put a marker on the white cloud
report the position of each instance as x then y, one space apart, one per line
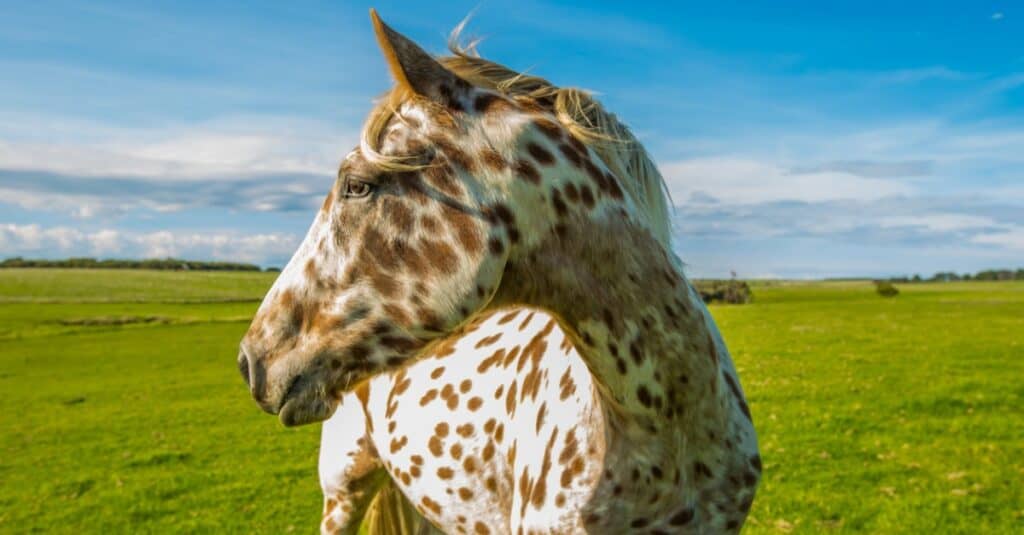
1012 238
225 148
997 16
35 240
745 181
939 222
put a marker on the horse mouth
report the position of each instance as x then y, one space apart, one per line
304 403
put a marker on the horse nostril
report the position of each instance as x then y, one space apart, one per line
243 366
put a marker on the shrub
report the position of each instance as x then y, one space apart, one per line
886 289
735 292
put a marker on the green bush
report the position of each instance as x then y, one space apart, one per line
886 289
734 292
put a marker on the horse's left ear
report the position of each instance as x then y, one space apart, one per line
414 69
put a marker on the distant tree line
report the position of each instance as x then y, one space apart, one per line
172 264
949 276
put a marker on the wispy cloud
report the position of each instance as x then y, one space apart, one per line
745 181
869 169
1012 238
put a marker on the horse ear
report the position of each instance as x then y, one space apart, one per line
414 69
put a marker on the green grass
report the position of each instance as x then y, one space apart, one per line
121 410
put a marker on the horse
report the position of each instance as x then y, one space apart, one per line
487 315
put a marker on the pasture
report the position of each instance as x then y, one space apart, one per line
122 410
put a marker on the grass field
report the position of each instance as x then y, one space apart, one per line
122 410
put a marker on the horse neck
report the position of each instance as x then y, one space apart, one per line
623 299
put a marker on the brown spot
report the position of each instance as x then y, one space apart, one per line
363 394
701 470
492 360
454 154
503 213
441 429
397 445
613 186
540 154
683 517
441 176
435 446
508 317
496 246
440 255
487 340
510 399
466 231
456 451
540 488
643 395
485 101
481 529
453 402
402 386
465 493
587 196
574 469
558 203
567 385
474 403
493 160
469 464
465 430
540 416
428 397
571 192
595 174
578 145
437 372
571 154
429 223
526 171
431 504
551 130
416 459
445 473
401 216
400 343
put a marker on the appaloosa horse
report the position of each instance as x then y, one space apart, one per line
488 305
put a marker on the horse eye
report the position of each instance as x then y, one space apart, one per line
356 188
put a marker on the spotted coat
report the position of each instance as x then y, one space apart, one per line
488 319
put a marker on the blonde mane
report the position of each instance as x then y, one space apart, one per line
576 109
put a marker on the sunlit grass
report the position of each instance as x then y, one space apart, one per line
875 415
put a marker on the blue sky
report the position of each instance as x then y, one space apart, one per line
798 139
